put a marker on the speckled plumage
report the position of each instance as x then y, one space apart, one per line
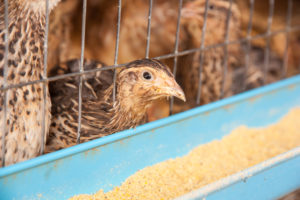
25 63
213 59
100 115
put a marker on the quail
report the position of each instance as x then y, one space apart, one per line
213 62
138 84
26 34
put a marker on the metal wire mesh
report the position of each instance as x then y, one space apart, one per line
149 28
268 39
287 30
176 50
225 64
162 57
43 132
248 37
81 69
288 27
201 53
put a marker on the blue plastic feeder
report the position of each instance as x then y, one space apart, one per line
106 162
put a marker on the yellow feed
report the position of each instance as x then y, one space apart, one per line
243 148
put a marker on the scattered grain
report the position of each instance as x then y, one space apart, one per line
241 149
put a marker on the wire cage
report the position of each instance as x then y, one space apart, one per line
175 56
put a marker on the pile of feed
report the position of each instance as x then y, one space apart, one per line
242 148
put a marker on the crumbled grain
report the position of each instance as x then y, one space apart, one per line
241 149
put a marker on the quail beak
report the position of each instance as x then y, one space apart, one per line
173 89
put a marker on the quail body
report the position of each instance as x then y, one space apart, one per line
138 84
213 59
26 30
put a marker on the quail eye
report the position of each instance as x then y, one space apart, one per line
211 7
147 76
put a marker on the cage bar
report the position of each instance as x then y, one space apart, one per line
287 37
43 132
117 48
201 53
149 28
81 69
225 66
176 51
248 43
268 40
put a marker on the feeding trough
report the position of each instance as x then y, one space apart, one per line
106 162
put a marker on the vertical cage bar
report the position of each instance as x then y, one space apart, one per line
268 40
149 28
248 47
287 37
81 69
117 48
225 67
43 132
4 128
198 98
176 51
